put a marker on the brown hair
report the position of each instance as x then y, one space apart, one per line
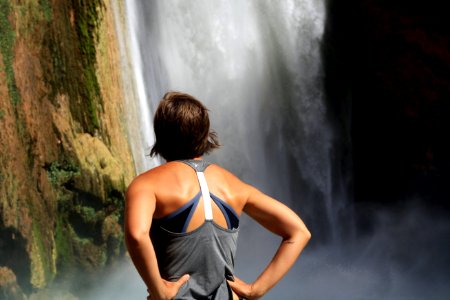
181 127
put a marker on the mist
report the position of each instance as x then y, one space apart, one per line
404 257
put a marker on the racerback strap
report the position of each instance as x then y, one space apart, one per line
206 196
199 166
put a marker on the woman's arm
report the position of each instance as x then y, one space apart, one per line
139 210
282 221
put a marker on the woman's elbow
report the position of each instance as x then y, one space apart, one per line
306 233
133 239
303 233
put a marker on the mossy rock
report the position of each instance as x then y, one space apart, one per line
9 289
97 164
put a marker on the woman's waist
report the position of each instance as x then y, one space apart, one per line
202 260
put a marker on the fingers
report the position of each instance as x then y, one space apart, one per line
182 280
241 288
237 280
237 284
232 284
172 287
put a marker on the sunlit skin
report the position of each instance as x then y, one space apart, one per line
162 190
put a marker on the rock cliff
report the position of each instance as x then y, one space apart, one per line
65 159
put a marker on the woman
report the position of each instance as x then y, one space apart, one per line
182 218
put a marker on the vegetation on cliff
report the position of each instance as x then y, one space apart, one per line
71 49
7 38
64 155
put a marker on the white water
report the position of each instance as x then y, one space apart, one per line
256 65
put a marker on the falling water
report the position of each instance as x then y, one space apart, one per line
256 65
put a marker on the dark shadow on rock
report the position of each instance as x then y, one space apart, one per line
13 255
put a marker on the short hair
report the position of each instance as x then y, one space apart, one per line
181 126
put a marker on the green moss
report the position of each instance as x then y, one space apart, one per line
7 41
60 173
92 93
64 249
103 259
87 214
87 21
11 186
2 114
41 264
33 15
71 42
46 9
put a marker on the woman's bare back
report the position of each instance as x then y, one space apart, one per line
175 184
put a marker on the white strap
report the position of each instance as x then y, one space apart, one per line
206 196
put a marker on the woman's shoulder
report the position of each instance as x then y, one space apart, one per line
227 174
149 178
225 177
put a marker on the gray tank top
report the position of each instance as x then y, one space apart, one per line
206 253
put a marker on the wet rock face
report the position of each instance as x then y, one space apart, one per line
15 261
391 71
9 289
64 160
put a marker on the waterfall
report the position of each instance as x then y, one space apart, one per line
256 65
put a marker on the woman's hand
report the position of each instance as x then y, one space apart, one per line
242 289
172 288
